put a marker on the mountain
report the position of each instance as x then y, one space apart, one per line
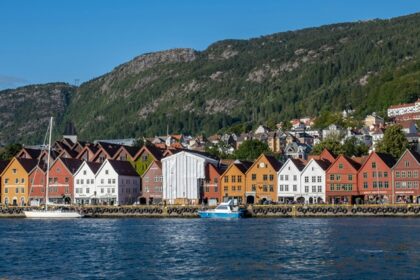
25 112
366 65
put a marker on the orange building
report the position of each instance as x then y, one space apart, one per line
261 180
233 181
15 181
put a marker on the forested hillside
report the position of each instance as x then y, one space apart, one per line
366 65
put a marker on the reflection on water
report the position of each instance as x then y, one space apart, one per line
335 248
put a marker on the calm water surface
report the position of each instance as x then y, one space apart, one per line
335 248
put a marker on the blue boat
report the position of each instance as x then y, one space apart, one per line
225 210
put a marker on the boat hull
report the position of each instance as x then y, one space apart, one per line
218 215
52 215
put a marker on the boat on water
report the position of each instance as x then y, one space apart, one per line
223 210
60 213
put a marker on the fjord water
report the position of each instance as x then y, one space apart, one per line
333 248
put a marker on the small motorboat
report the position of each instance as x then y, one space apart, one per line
223 210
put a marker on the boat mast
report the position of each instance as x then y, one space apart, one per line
48 166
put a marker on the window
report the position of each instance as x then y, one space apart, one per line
22 190
313 189
374 174
113 181
319 189
407 163
397 174
253 188
216 189
215 180
332 177
87 190
84 172
6 190
16 181
22 181
226 179
113 190
17 190
281 177
253 177
338 177
265 177
225 188
331 187
109 181
379 174
106 172
239 188
365 185
385 174
286 177
239 179
380 184
408 174
386 184
365 175
373 164
350 177
233 188
281 188
306 179
286 188
294 177
306 189
375 184
271 177
102 190
82 181
319 179
340 166
6 181
55 180
102 181
77 181
313 179
295 188
403 174
271 188
14 170
66 190
415 174
264 188
233 178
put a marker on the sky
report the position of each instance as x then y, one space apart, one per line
74 41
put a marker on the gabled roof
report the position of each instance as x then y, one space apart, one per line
3 165
243 165
90 147
94 166
414 154
110 149
152 149
123 167
324 164
298 163
158 163
33 153
27 164
274 162
71 164
389 160
132 151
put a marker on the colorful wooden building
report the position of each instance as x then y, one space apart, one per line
151 184
406 178
261 180
61 180
341 181
15 181
37 182
233 181
375 178
211 184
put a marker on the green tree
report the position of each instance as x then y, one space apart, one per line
394 141
251 149
331 143
10 151
354 147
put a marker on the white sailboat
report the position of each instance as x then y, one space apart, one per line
46 213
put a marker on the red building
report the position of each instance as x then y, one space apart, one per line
37 186
151 184
211 192
61 180
375 178
341 181
406 178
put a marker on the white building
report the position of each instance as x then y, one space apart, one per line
402 109
289 189
84 183
333 130
183 176
117 183
313 181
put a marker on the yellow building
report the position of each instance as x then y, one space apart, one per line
261 180
232 181
15 181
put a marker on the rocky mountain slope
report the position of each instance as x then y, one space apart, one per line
366 65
